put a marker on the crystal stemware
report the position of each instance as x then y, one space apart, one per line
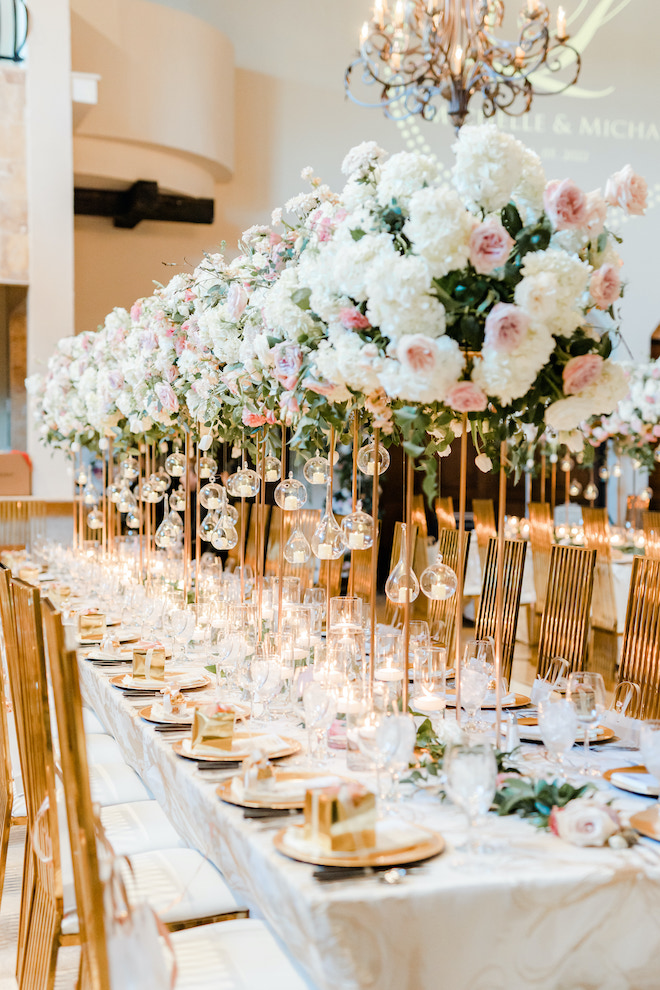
586 691
557 727
471 783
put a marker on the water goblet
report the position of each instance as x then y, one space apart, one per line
586 691
471 772
558 727
320 709
474 688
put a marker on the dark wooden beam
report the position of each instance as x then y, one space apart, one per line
141 201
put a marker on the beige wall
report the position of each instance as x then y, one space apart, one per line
13 189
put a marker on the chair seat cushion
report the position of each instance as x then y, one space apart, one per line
179 884
138 827
116 783
91 721
241 954
102 748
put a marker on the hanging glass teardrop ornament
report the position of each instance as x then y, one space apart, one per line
603 474
129 468
150 494
166 535
90 496
160 480
574 489
591 492
175 464
438 582
126 501
402 584
230 512
366 459
209 522
245 483
95 519
224 536
327 539
358 530
317 470
290 494
297 549
133 519
178 499
176 521
272 468
211 496
207 466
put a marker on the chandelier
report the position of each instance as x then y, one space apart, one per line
450 48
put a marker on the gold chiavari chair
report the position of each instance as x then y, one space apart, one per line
444 511
565 620
640 653
604 633
360 572
483 512
204 955
21 521
541 533
651 524
512 579
441 615
394 613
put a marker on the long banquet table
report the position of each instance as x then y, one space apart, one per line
542 914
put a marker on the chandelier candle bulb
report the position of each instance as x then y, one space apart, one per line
562 33
457 61
379 13
364 33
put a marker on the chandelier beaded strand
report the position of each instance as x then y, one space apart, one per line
450 48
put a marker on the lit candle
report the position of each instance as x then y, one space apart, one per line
395 62
429 704
299 556
379 13
356 541
404 594
318 478
561 24
364 33
399 13
213 502
457 61
388 674
271 475
290 501
324 551
438 590
245 491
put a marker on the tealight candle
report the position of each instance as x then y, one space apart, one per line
272 475
429 704
356 541
244 491
290 502
324 551
388 674
298 556
438 589
318 478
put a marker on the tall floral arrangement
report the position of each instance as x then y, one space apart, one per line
634 426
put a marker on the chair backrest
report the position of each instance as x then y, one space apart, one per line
359 580
483 512
308 520
541 532
78 798
597 537
640 653
394 613
651 524
22 520
444 511
7 643
252 548
441 615
512 579
565 620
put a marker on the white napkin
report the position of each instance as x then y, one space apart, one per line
643 783
280 790
174 678
158 712
393 833
239 748
507 699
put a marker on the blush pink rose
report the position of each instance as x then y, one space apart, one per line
271 417
288 362
252 418
136 310
490 246
236 301
565 204
167 397
605 286
467 397
506 327
581 372
418 354
596 213
627 190
314 385
353 319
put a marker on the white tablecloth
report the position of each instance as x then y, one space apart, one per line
545 915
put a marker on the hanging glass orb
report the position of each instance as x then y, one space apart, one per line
95 519
438 582
290 494
244 483
127 500
297 549
574 489
603 474
327 539
160 480
167 535
209 522
616 470
207 466
82 478
358 530
129 468
150 494
566 464
402 585
112 491
366 460
317 470
591 492
272 468
90 495
178 499
230 512
133 519
211 496
553 458
224 537
175 464
176 521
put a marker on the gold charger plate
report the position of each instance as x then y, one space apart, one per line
242 713
96 640
638 769
231 756
519 701
647 822
200 681
224 791
431 845
605 734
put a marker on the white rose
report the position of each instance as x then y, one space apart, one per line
484 463
584 823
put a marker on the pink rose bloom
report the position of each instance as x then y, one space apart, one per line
136 310
490 246
506 327
172 373
274 238
584 823
289 407
271 417
314 385
288 361
467 397
418 354
252 418
605 286
179 346
627 190
596 213
166 397
352 318
188 295
236 301
581 372
565 204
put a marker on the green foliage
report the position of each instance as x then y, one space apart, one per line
535 799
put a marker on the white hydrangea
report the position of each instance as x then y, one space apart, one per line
302 204
344 359
401 382
399 302
439 228
356 194
313 270
599 398
404 174
508 376
564 291
361 159
489 166
352 262
528 192
281 313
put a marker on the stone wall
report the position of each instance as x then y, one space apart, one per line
13 186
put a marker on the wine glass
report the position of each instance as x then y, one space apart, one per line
400 761
378 737
471 783
586 691
474 688
558 727
180 624
320 709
